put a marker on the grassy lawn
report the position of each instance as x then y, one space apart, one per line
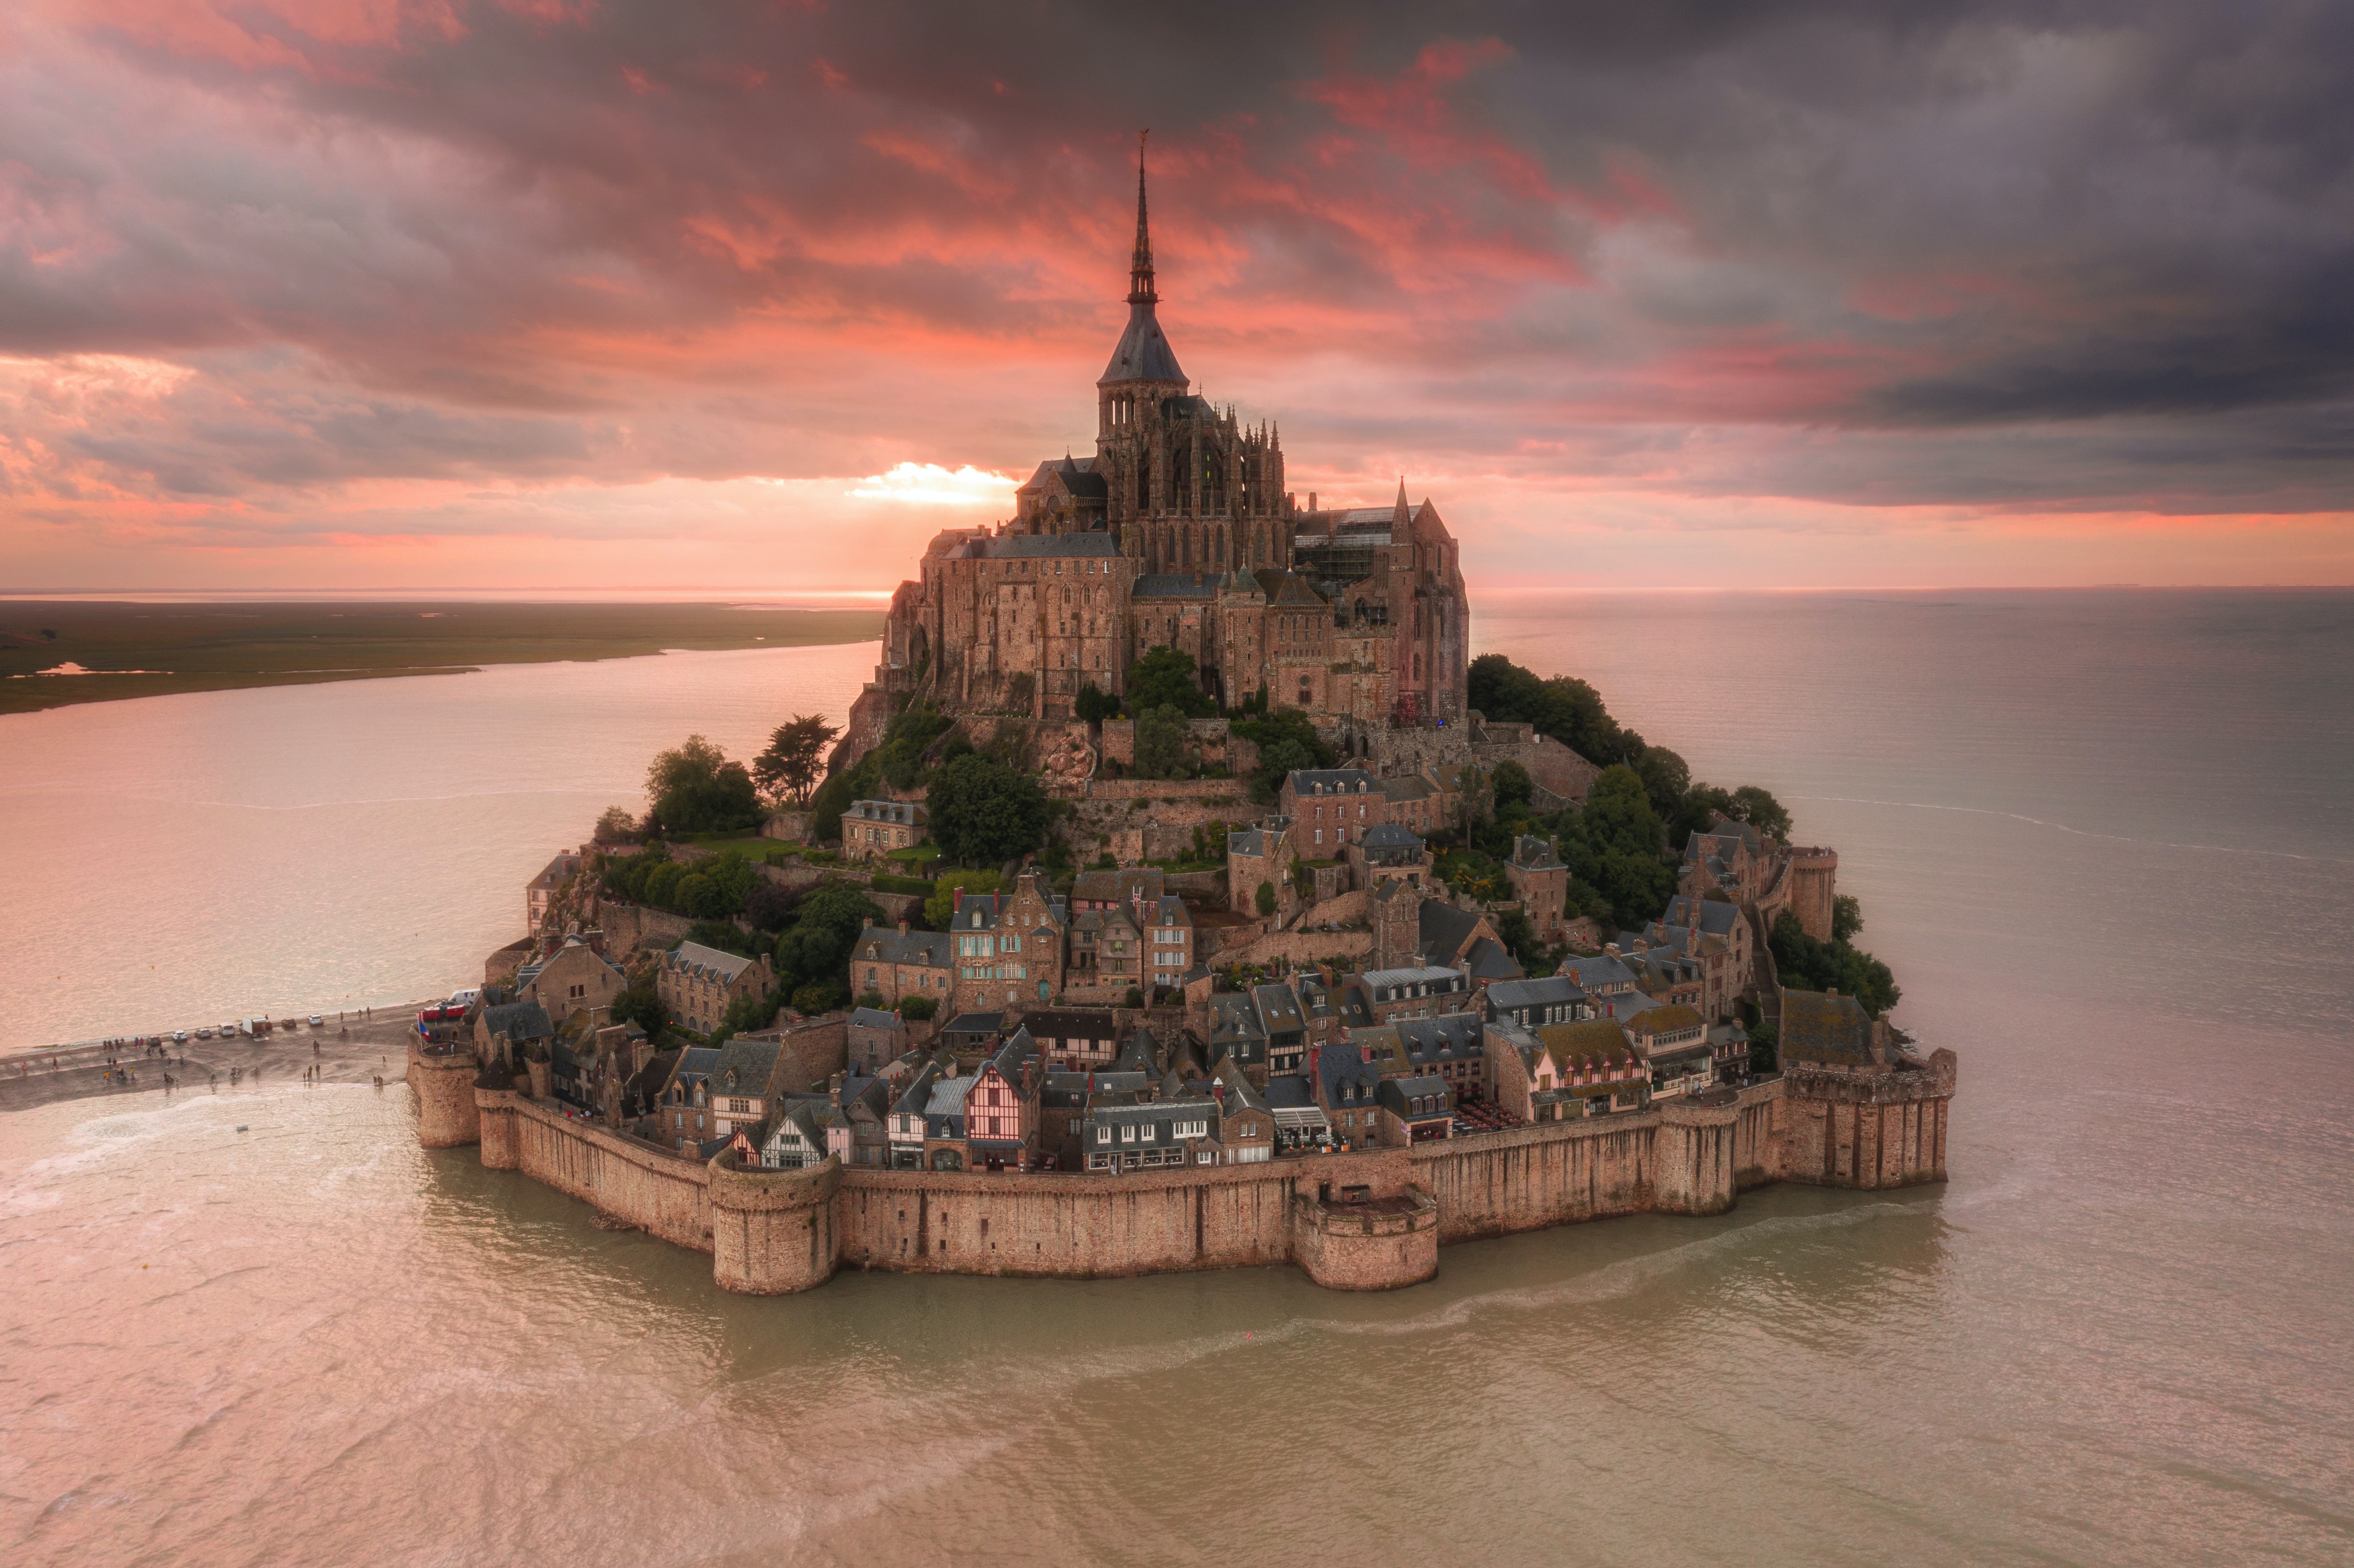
154 649
921 855
751 845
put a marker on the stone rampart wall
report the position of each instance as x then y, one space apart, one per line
628 927
1234 793
660 1194
499 968
1299 948
1351 908
816 1050
781 1231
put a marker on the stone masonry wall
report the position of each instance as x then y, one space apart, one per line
658 1192
778 1231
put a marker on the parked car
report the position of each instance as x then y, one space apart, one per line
318 1022
179 1037
204 1033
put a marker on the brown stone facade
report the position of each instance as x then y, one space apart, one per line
1367 1220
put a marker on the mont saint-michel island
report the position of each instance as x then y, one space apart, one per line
1179 894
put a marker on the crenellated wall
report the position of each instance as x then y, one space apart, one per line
1867 1129
1373 1220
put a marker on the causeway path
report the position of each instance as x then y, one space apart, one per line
376 1046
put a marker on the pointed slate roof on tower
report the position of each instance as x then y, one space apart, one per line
1401 517
1143 353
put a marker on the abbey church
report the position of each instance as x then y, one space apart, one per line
1179 531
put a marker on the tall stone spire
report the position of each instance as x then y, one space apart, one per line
1143 353
1139 270
1402 517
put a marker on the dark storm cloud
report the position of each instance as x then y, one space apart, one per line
636 239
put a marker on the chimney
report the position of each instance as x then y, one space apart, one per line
1830 991
867 923
903 925
1311 501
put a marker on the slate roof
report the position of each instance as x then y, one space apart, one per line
1072 1024
1035 546
1388 835
1532 853
706 963
927 949
1113 886
1452 1037
1278 1008
1817 1026
1577 1044
1413 787
753 1062
1338 1067
1488 961
1427 975
874 1018
518 1020
1077 475
1444 929
974 1024
1397 1096
1598 973
695 1065
1308 781
1142 353
1549 990
1233 1020
1715 918
1138 1053
1256 842
905 813
1289 1091
1173 585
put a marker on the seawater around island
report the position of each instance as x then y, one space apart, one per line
2106 839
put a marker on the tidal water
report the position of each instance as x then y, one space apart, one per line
2105 840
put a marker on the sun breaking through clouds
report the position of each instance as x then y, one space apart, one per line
341 293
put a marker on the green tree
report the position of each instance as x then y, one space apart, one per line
1847 918
1761 811
695 789
1519 934
1563 707
1166 677
770 906
916 1008
662 884
816 947
1804 964
639 1005
788 770
1265 898
1161 737
615 827
820 996
983 811
941 908
1513 788
1667 779
1094 704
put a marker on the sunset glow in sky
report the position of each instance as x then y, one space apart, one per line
577 293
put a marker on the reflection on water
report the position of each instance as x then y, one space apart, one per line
2117 1337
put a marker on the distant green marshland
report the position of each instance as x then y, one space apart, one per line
112 651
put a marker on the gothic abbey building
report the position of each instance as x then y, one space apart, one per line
1179 531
